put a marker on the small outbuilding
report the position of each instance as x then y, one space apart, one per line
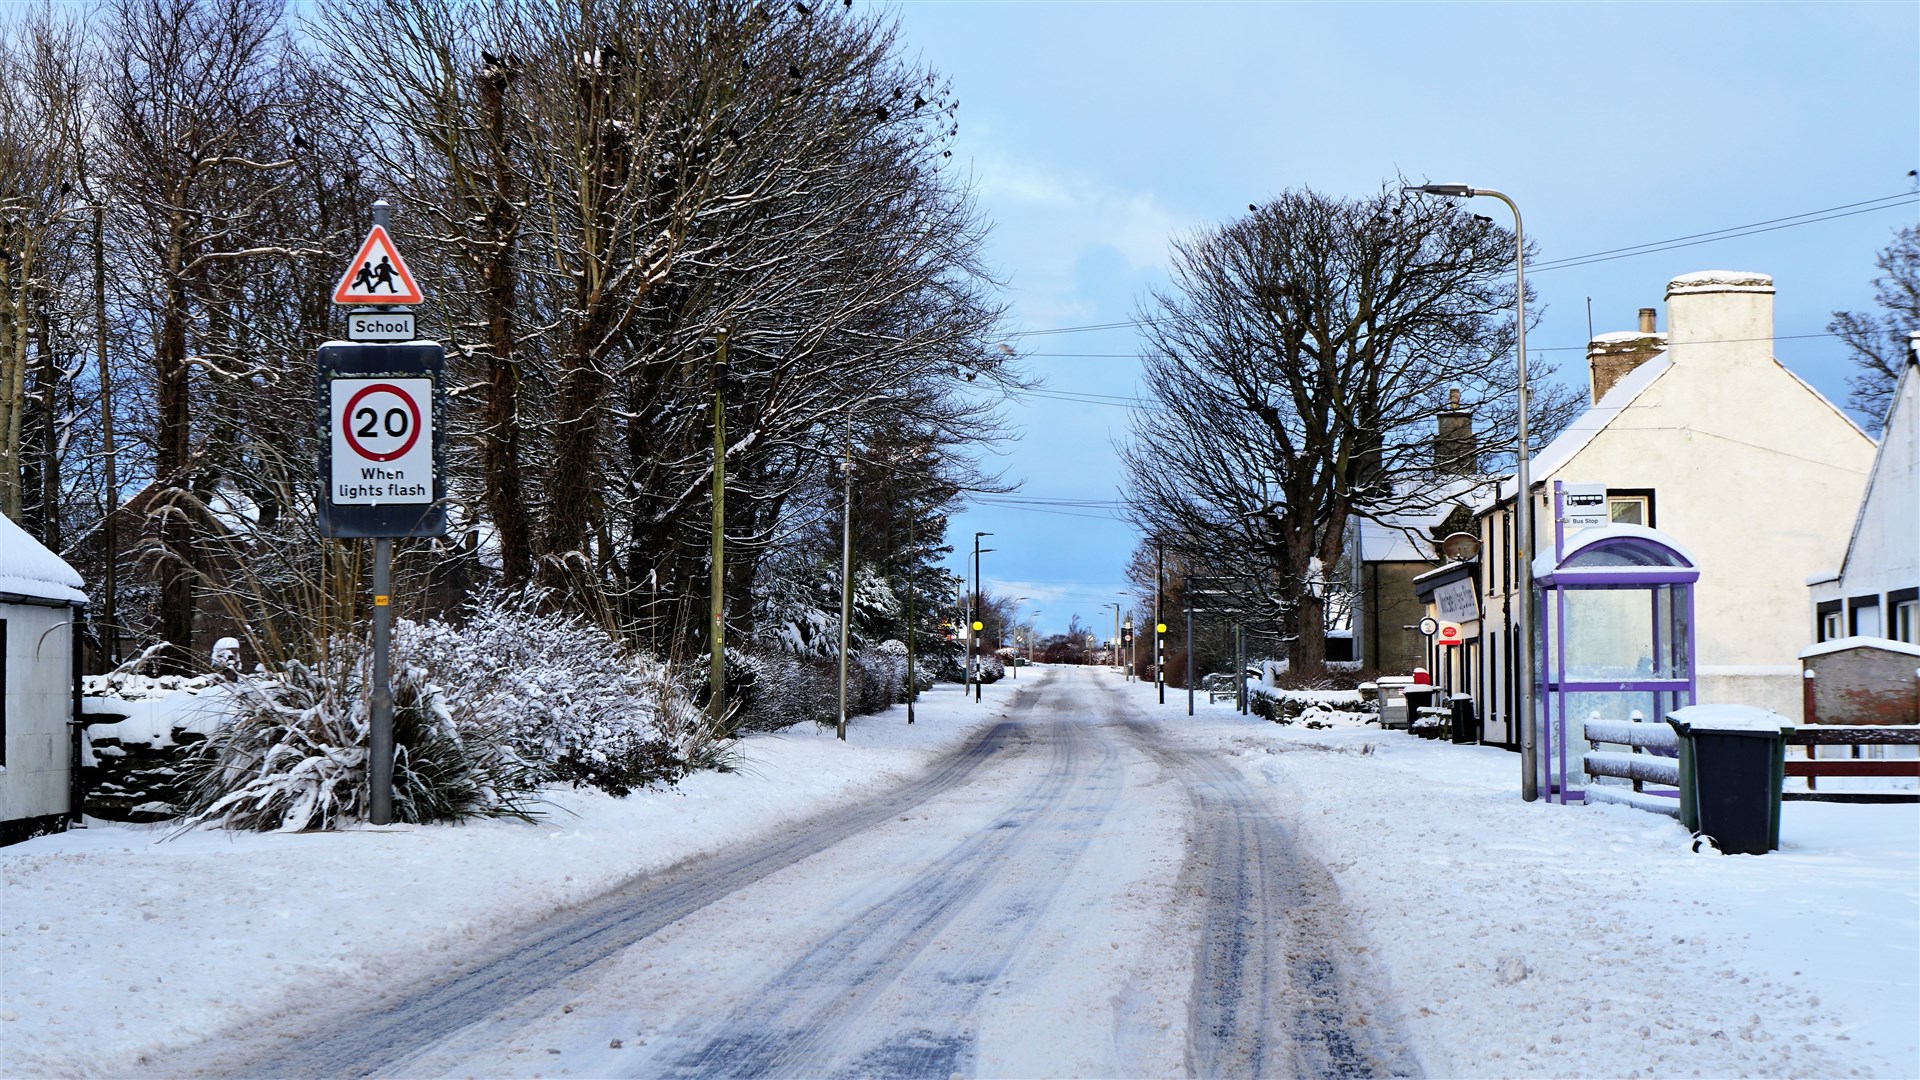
40 623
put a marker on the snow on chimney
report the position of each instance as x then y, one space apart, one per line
1611 356
1720 316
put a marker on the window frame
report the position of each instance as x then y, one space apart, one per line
1643 496
1903 606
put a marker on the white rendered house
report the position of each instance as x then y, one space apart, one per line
1876 591
40 602
1702 434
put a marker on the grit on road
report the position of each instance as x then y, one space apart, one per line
1071 893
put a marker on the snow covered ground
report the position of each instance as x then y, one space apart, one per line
1515 939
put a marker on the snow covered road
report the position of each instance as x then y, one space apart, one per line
1067 879
1020 910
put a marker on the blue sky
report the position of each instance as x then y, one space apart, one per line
1095 132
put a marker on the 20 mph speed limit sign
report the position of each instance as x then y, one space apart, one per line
378 408
382 441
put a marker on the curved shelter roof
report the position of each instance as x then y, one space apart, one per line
1633 554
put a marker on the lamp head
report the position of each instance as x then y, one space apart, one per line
1458 191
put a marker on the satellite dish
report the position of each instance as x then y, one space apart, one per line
1460 547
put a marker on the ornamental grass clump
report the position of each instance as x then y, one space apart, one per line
294 755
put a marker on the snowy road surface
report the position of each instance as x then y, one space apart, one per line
1032 900
1012 912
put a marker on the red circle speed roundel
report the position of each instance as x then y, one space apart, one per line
376 424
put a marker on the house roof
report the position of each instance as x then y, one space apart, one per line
1902 422
1403 535
27 568
1555 455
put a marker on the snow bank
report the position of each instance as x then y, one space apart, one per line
121 940
1534 940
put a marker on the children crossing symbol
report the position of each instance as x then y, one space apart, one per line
377 275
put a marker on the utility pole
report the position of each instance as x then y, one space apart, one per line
716 670
846 572
1189 591
975 623
913 681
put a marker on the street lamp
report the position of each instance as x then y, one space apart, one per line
1523 497
974 624
1016 643
1031 627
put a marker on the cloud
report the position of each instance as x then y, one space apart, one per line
1049 220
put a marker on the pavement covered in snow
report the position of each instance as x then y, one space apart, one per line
1512 939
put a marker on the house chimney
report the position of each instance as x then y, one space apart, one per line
1610 357
1720 316
1453 442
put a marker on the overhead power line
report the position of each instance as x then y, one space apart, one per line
1731 232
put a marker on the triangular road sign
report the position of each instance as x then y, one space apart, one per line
377 275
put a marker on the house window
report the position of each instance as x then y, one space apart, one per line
1863 616
1830 622
1903 616
1630 506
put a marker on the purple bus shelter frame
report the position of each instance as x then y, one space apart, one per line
1628 558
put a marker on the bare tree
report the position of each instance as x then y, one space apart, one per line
1299 364
193 108
41 91
1878 342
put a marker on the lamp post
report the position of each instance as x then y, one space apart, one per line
975 624
1523 496
1016 623
1031 627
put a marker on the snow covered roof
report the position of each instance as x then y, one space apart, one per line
1900 434
1401 535
27 568
1834 645
1544 566
1555 455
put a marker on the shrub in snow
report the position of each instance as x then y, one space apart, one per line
295 754
781 688
565 696
988 669
483 714
1284 706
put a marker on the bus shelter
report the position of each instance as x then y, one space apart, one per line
1613 634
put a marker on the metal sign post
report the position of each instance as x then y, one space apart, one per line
381 443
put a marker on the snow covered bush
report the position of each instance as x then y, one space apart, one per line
295 755
483 714
565 695
988 669
781 688
1284 706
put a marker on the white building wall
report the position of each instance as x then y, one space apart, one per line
39 658
1753 473
1886 548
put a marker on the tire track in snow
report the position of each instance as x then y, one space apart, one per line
989 891
531 961
1276 990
